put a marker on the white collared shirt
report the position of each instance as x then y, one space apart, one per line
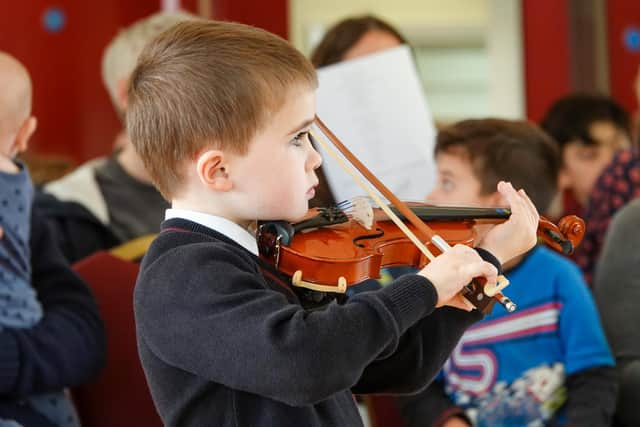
222 225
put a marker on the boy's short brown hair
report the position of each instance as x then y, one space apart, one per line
515 151
205 83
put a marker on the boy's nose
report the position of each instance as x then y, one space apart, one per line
315 159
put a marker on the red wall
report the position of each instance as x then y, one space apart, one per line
546 54
623 62
75 114
73 108
272 15
74 111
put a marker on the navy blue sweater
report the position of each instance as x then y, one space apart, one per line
225 342
66 348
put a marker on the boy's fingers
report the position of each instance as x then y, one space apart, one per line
519 201
483 269
458 301
514 199
532 208
466 251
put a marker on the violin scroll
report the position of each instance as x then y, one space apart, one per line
564 237
573 228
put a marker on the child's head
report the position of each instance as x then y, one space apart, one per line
355 37
474 155
220 110
16 123
589 129
120 56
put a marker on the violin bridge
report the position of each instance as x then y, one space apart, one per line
341 287
501 283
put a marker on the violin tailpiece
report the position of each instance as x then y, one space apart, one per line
340 287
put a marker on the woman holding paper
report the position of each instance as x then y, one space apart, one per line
349 39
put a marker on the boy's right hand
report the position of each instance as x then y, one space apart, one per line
450 271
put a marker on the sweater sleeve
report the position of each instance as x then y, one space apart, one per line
617 284
67 346
429 408
584 389
76 231
422 351
207 311
418 358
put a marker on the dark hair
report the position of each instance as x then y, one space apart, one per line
346 33
509 150
570 117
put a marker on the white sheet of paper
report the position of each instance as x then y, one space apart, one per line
375 105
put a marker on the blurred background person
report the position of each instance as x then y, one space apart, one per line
51 337
617 291
350 38
110 200
589 130
548 363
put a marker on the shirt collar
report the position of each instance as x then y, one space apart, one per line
222 225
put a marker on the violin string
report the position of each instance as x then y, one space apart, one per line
348 202
360 210
438 241
401 225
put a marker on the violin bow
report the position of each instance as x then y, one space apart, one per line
425 231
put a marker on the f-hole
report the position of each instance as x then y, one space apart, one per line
379 233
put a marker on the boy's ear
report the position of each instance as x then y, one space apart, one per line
211 167
24 134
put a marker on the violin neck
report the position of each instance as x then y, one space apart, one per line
454 213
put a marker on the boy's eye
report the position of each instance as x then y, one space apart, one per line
447 185
300 138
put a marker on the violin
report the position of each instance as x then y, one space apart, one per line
329 250
332 249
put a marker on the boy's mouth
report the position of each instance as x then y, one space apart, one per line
311 192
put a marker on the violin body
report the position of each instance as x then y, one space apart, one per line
335 252
349 253
329 252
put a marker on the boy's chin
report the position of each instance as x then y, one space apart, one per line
297 215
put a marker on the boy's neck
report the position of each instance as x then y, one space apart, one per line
214 209
513 263
132 164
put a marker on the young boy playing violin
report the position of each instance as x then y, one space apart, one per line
220 114
517 369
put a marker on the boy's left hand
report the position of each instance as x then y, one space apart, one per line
518 234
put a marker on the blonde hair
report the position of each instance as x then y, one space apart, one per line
206 83
120 56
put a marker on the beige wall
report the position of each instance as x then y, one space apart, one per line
407 15
495 25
